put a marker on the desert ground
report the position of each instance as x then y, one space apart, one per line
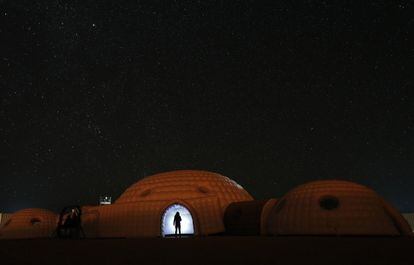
210 250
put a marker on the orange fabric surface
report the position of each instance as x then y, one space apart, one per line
185 184
29 223
139 210
359 211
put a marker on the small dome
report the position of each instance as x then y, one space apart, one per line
185 184
334 207
29 223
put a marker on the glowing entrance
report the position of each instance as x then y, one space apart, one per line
167 225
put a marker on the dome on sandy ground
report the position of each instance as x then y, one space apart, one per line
29 223
334 207
146 207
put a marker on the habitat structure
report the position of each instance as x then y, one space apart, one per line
29 223
147 208
335 208
212 204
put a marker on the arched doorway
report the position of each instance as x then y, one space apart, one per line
167 221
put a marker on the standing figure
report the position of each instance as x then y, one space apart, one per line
177 223
70 223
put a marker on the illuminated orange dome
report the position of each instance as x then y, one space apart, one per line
334 207
145 208
185 184
29 223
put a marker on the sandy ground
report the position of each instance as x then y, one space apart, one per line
210 250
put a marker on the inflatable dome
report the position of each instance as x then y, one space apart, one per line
184 184
147 208
29 223
333 207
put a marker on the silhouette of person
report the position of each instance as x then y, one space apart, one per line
177 223
72 224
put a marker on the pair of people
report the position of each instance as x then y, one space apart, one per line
70 224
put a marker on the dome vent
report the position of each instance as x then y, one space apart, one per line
35 221
203 189
145 193
329 202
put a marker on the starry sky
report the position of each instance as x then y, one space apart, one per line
95 95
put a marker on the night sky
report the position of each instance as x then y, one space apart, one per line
95 95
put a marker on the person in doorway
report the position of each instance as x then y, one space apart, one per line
177 223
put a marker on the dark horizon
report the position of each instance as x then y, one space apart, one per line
95 96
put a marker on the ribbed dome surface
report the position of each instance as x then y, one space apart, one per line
334 207
140 210
185 184
29 223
